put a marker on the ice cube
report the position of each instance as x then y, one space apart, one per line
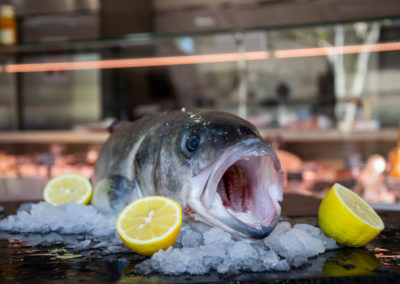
25 207
244 256
216 235
273 240
328 242
269 259
213 254
316 232
296 245
191 238
299 261
194 260
224 267
242 251
282 265
173 262
299 243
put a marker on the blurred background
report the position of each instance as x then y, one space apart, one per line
319 78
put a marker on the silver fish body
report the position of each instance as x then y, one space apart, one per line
213 163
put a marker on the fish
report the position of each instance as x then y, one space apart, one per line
214 164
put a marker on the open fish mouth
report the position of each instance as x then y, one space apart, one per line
244 188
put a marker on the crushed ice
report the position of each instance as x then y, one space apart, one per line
81 227
214 249
69 218
198 250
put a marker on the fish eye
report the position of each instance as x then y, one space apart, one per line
192 143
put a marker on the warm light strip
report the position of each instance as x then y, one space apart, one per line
137 62
198 59
323 51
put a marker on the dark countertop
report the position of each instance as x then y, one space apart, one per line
378 262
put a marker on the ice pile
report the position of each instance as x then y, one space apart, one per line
214 249
71 218
198 250
79 227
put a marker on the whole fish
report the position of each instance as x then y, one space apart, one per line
213 163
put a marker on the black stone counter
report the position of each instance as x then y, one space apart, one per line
378 262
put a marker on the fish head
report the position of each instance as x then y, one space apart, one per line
236 178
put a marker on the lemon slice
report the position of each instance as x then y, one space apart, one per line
65 188
347 218
149 224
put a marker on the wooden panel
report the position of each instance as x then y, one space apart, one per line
174 16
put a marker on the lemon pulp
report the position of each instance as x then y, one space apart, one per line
149 224
347 218
68 187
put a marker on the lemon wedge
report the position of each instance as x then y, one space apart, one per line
347 218
149 224
68 187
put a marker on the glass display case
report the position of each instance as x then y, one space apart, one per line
326 95
344 71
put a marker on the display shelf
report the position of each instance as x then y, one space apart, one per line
48 137
283 135
293 136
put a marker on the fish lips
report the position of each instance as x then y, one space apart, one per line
255 233
240 192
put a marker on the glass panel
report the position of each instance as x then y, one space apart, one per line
60 99
343 71
279 86
318 93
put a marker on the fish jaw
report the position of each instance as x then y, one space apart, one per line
240 192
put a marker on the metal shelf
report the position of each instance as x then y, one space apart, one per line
48 137
284 135
295 136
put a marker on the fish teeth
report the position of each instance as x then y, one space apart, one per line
235 185
222 193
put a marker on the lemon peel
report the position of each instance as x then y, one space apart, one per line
347 218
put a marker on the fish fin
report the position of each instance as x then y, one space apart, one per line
122 192
114 193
